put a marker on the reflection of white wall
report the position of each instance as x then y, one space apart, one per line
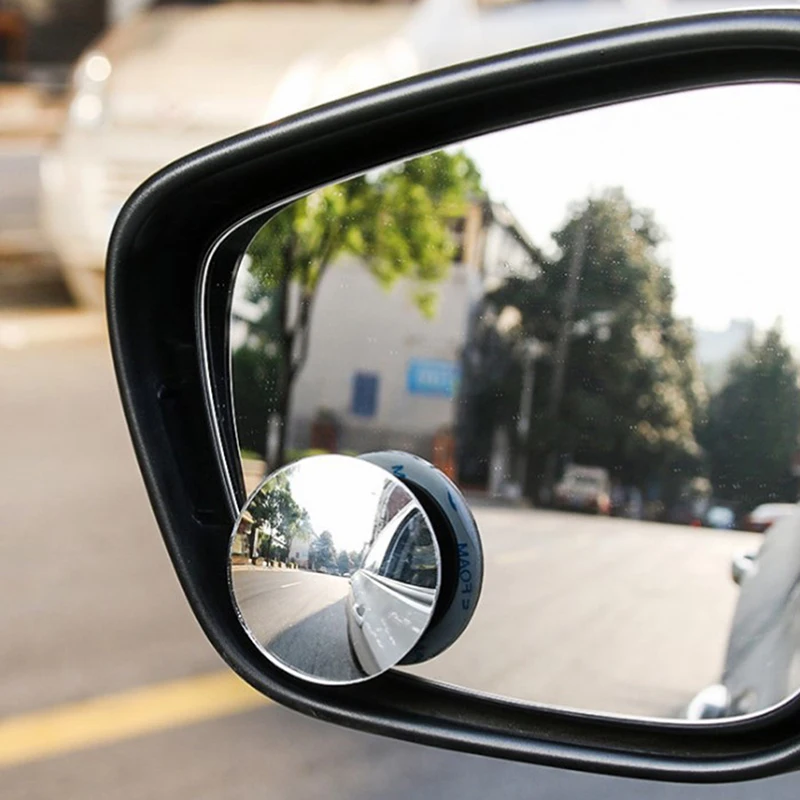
360 327
299 551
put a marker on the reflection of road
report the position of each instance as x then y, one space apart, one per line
605 614
301 618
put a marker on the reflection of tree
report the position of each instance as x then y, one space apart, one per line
278 519
255 381
323 552
343 562
631 394
753 426
397 222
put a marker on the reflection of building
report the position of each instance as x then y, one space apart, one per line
242 546
299 550
387 374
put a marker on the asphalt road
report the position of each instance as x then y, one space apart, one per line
299 617
603 614
19 180
20 215
89 606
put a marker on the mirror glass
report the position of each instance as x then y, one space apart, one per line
334 569
589 323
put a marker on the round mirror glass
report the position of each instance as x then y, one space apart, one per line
334 569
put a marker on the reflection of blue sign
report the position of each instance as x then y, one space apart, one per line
431 377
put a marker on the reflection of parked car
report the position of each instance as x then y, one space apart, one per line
764 516
762 663
720 517
584 489
392 595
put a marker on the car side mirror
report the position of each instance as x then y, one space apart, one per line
330 538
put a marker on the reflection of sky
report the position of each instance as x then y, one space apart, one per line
341 495
718 168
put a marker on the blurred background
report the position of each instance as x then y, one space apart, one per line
108 687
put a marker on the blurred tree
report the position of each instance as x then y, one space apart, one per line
397 221
631 392
356 559
343 562
255 369
323 552
754 424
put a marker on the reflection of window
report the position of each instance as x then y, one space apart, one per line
404 551
411 558
365 394
378 548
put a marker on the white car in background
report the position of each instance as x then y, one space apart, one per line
179 76
174 78
763 517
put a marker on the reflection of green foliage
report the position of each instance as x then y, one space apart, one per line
296 455
396 222
343 562
323 552
276 513
255 383
631 402
753 426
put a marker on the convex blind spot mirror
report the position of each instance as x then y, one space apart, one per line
338 572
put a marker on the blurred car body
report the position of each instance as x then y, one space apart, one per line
391 597
764 516
177 77
743 564
584 489
762 662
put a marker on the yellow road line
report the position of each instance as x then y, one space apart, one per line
102 720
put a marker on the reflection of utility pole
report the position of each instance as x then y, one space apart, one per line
561 349
533 349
